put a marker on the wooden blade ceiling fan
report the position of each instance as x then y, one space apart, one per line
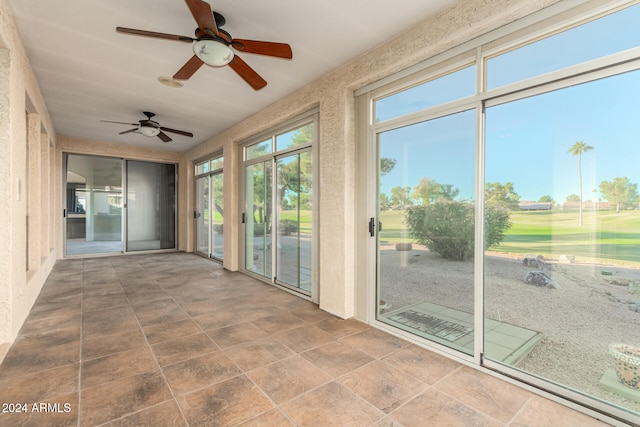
212 44
148 127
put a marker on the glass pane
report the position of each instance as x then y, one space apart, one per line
94 205
151 206
300 136
258 150
258 222
293 253
605 36
426 214
202 168
217 216
450 87
202 223
217 164
563 285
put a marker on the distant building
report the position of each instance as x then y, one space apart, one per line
535 206
588 206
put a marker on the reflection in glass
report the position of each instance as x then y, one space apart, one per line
151 206
426 180
202 214
450 87
294 204
94 205
561 288
258 149
258 223
610 34
217 216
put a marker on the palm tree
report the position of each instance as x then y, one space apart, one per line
577 149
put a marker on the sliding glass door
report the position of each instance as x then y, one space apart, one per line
426 229
151 206
94 202
209 211
279 201
100 219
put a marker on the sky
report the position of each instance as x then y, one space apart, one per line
527 140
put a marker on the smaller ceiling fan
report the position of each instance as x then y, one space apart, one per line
150 128
212 46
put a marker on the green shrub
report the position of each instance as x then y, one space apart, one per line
448 227
288 226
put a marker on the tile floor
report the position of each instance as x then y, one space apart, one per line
175 340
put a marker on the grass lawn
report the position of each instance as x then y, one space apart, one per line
605 236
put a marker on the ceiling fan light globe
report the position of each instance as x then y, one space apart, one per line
149 131
213 52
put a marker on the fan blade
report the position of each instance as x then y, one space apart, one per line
189 68
179 132
247 73
154 34
203 15
279 50
120 123
127 131
164 137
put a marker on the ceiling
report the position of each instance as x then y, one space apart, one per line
88 72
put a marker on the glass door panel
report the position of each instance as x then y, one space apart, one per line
258 221
294 199
217 216
93 205
151 206
563 284
426 230
202 215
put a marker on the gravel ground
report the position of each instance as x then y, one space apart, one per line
588 309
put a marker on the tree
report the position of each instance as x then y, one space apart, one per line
573 198
400 196
386 165
547 199
576 150
384 202
620 192
496 194
429 191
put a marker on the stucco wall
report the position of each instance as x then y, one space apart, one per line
334 94
19 285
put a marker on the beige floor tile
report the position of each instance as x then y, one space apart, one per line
236 334
341 328
375 342
41 386
163 414
169 352
272 418
433 408
331 405
288 378
337 358
278 322
488 394
541 412
217 319
170 331
254 354
228 403
116 399
422 364
199 372
382 385
104 345
304 338
116 366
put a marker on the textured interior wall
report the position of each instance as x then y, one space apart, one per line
334 94
19 286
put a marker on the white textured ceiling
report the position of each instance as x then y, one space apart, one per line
88 72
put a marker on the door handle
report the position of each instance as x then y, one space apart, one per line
372 227
196 214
